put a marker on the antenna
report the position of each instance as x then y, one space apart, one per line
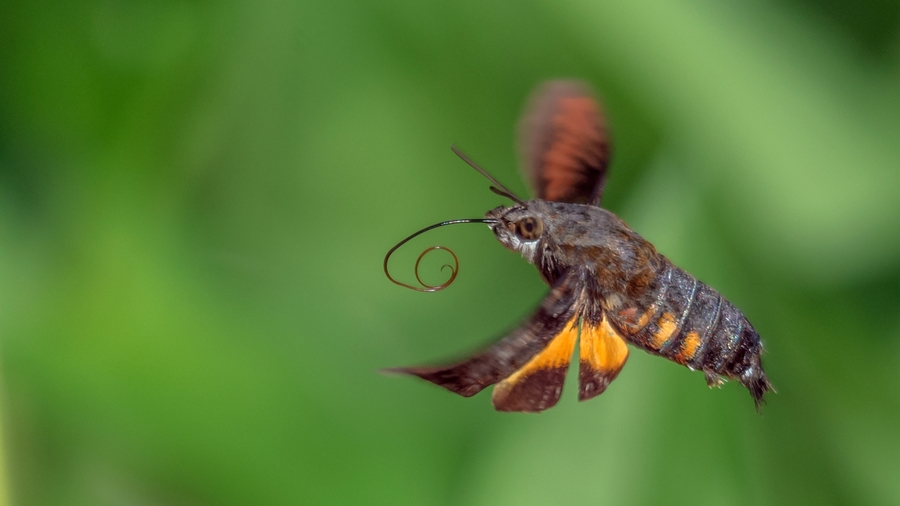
498 187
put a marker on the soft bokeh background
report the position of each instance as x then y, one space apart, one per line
195 199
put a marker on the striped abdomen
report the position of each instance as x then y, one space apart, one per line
688 322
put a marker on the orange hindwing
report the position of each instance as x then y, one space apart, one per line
603 353
538 384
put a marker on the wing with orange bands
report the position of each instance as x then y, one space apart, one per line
514 352
538 384
529 365
603 354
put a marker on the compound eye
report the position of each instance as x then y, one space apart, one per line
529 228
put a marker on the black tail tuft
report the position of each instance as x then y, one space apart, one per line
758 385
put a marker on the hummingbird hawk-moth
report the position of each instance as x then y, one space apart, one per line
609 286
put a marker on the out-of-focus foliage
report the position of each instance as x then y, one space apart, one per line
195 198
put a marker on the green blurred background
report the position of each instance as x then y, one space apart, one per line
196 197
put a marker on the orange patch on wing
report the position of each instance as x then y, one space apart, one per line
537 385
688 348
603 354
667 327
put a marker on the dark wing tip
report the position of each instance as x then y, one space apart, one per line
452 378
592 383
537 391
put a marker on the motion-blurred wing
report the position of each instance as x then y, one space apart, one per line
547 331
564 143
603 354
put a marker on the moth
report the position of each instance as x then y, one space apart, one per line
609 287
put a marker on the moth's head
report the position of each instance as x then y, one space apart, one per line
521 227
